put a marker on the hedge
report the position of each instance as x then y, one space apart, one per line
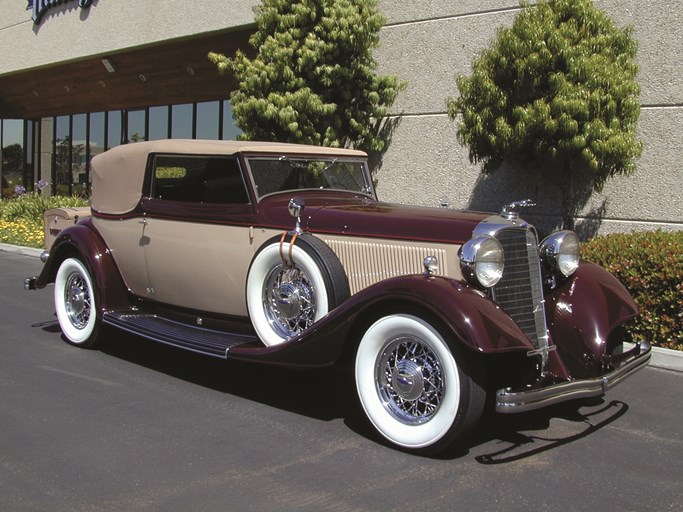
650 266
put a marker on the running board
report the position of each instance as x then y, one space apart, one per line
193 338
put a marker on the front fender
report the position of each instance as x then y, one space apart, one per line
581 315
469 316
84 242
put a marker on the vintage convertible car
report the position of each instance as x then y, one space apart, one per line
282 254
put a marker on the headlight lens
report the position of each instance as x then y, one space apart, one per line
560 251
482 260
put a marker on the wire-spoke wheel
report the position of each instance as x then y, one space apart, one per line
75 303
289 300
411 387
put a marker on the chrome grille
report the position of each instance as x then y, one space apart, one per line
520 291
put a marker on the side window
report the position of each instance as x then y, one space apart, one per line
198 179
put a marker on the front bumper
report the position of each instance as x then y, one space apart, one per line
511 401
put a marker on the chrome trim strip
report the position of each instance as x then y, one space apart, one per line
513 401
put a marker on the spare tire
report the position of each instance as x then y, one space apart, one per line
292 285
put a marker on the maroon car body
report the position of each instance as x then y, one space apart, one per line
282 254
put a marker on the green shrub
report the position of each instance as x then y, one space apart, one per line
650 265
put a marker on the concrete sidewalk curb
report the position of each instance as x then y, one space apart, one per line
667 359
663 358
24 251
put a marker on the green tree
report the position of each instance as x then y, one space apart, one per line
555 92
313 77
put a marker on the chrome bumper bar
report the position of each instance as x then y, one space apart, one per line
512 401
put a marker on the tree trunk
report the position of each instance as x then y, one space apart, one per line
567 197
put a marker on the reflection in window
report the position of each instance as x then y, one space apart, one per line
207 120
230 129
136 126
79 177
96 139
12 164
61 158
158 123
29 169
182 121
114 133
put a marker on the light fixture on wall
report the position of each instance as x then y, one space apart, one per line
109 65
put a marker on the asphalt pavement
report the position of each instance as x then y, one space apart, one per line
137 426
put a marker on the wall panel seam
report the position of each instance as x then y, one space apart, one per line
452 17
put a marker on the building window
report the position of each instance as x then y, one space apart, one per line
114 130
158 123
96 138
208 115
12 151
61 156
77 138
182 121
137 125
229 130
79 155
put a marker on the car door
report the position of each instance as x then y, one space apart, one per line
197 236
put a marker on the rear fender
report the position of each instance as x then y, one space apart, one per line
84 242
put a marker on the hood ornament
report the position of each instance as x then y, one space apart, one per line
511 211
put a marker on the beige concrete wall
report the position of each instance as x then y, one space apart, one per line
428 42
67 32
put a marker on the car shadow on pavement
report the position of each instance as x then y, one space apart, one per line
508 438
317 393
329 394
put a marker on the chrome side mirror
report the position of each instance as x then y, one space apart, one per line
295 207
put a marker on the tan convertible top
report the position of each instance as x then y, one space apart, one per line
118 174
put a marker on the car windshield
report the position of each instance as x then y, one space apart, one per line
284 173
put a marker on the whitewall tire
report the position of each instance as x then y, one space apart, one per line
411 387
291 287
75 303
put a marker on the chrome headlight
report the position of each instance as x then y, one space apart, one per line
482 260
560 251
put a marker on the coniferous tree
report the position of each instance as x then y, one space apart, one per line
557 92
313 77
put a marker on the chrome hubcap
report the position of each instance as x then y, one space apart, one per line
288 300
409 380
77 300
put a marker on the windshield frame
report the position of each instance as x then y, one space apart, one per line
299 161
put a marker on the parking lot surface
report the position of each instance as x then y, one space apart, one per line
140 426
